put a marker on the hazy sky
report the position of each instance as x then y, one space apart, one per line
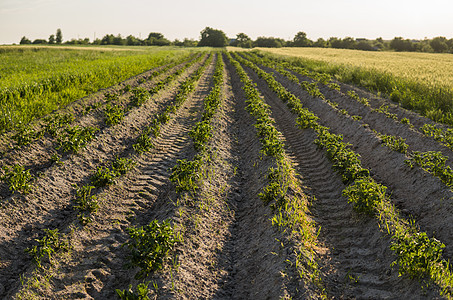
181 18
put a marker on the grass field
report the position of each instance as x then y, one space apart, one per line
232 175
37 80
419 81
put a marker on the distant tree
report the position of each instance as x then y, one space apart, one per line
243 40
59 36
348 43
268 42
133 41
213 38
190 43
118 40
365 45
107 39
301 40
156 39
450 45
399 44
39 41
321 43
24 41
52 39
439 44
379 43
155 35
334 42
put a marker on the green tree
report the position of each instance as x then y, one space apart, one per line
213 38
243 40
439 44
321 43
52 39
399 44
24 41
301 40
268 42
59 36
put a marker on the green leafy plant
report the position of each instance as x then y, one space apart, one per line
122 165
150 246
57 122
111 96
113 114
396 143
75 138
365 194
144 143
418 256
17 178
433 162
103 176
139 96
141 294
26 135
52 243
86 204
185 174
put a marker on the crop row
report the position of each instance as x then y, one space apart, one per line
72 139
431 161
151 246
86 204
418 255
283 192
441 134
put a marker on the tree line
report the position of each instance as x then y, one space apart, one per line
217 38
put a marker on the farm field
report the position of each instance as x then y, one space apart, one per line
420 81
226 175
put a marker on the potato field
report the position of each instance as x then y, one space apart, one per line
219 175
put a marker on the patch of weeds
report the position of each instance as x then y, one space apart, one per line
141 294
151 246
54 123
26 135
126 88
365 194
86 204
91 107
56 158
52 243
103 176
396 143
113 114
334 86
185 175
139 96
17 178
144 143
434 162
75 138
418 256
356 118
122 165
111 96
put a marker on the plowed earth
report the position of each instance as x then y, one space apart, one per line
231 250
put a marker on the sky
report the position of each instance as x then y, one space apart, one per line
179 19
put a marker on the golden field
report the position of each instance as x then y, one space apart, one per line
429 68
